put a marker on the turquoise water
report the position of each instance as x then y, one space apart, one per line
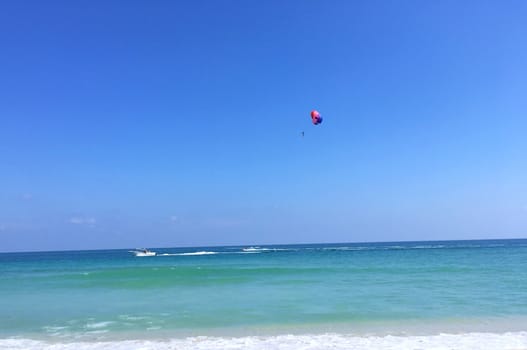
215 290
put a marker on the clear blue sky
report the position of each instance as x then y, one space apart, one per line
171 123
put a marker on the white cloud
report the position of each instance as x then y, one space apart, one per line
82 220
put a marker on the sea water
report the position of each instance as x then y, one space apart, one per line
447 295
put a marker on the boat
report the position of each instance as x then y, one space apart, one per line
142 252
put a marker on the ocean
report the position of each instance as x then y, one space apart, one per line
395 295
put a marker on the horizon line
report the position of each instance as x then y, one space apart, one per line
265 244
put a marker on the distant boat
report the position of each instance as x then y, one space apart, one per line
143 252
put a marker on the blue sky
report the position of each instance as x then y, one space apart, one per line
173 123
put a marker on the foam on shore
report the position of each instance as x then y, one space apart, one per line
466 341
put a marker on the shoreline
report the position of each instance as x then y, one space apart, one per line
384 328
462 341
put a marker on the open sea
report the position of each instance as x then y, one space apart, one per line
398 295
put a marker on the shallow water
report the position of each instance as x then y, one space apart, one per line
403 288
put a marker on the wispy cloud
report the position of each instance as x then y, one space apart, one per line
174 218
82 220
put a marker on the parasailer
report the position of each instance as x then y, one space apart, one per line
316 118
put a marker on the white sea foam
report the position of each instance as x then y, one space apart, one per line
348 248
258 249
189 253
56 331
198 253
98 325
132 318
388 247
252 249
54 328
472 341
436 246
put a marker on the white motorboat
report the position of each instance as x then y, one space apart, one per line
143 252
